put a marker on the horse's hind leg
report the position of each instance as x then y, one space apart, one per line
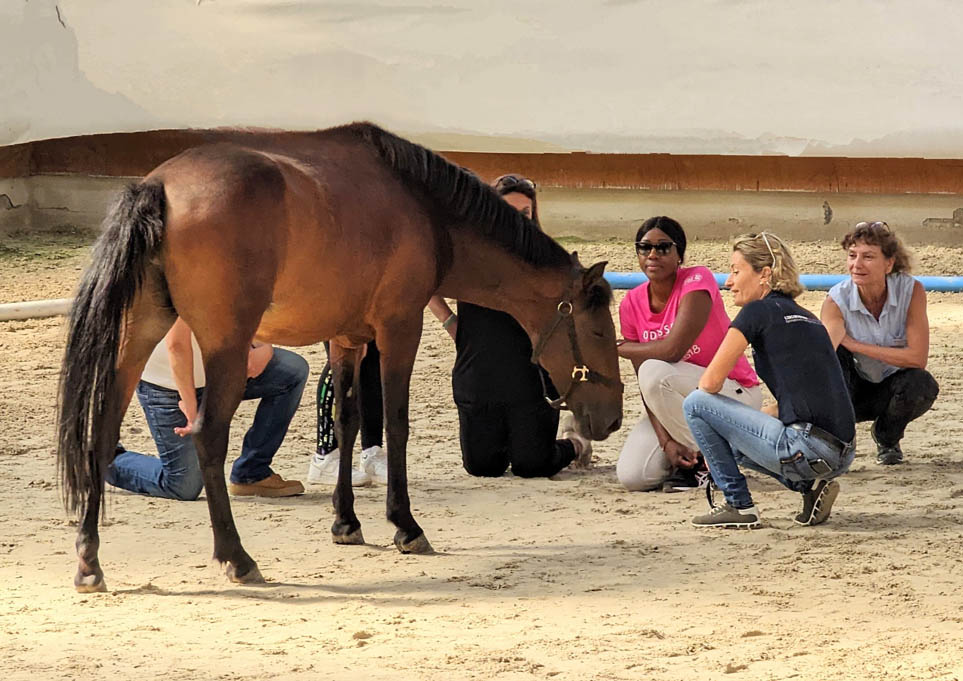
226 370
399 345
345 364
147 322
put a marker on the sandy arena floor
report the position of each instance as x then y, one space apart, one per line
571 578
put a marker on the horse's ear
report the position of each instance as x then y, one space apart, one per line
593 273
575 260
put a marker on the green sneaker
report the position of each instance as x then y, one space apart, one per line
818 503
728 517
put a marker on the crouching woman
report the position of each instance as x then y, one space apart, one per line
807 438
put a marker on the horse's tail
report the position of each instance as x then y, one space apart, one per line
132 234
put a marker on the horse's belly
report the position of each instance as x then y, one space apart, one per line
296 327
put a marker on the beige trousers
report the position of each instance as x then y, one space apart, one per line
642 464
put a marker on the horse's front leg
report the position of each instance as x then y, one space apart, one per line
345 363
226 377
399 345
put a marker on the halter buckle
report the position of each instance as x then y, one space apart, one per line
581 372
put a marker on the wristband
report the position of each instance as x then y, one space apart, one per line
452 318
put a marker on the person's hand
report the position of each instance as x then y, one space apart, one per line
679 455
258 358
772 409
191 414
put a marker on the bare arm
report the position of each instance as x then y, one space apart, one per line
258 357
832 318
917 350
732 348
181 355
693 315
444 314
677 454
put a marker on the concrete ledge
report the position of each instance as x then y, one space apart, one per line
45 202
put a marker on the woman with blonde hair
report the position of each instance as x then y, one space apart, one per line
877 322
672 326
806 440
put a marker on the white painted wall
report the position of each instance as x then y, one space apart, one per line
837 77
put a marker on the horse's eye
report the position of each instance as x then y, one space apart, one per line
598 334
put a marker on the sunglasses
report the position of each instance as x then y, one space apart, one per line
872 225
506 183
661 248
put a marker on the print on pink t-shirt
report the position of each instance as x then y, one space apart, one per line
641 325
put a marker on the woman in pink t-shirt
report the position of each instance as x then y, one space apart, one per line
672 326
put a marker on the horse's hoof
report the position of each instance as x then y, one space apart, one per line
417 545
252 576
353 537
89 584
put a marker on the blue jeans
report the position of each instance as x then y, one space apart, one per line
730 434
175 473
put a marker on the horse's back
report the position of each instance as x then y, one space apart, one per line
327 230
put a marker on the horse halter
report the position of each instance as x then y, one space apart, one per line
581 373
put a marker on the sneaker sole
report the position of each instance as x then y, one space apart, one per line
318 479
268 493
331 483
755 525
823 506
671 489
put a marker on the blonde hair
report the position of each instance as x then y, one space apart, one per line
765 249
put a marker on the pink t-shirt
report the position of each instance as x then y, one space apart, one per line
641 325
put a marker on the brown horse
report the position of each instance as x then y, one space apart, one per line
345 237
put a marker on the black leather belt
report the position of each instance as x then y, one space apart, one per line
823 435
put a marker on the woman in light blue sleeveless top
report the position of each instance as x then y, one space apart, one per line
877 321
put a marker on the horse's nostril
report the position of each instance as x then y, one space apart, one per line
616 424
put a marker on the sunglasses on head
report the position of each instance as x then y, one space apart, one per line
661 248
872 225
506 183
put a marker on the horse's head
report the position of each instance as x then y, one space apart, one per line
578 349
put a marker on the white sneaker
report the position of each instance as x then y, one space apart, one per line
583 445
374 462
323 470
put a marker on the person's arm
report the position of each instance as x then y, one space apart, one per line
444 314
832 318
258 357
677 454
917 350
181 356
732 348
693 314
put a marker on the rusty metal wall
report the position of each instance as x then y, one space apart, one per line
134 154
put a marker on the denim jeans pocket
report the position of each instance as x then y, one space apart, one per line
810 459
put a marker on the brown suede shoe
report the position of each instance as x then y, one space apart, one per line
272 486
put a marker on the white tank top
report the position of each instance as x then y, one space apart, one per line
158 368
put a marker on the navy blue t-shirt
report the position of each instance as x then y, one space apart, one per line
795 357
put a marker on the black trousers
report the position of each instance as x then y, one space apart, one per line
494 437
892 403
372 410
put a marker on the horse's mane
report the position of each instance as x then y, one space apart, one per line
461 195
